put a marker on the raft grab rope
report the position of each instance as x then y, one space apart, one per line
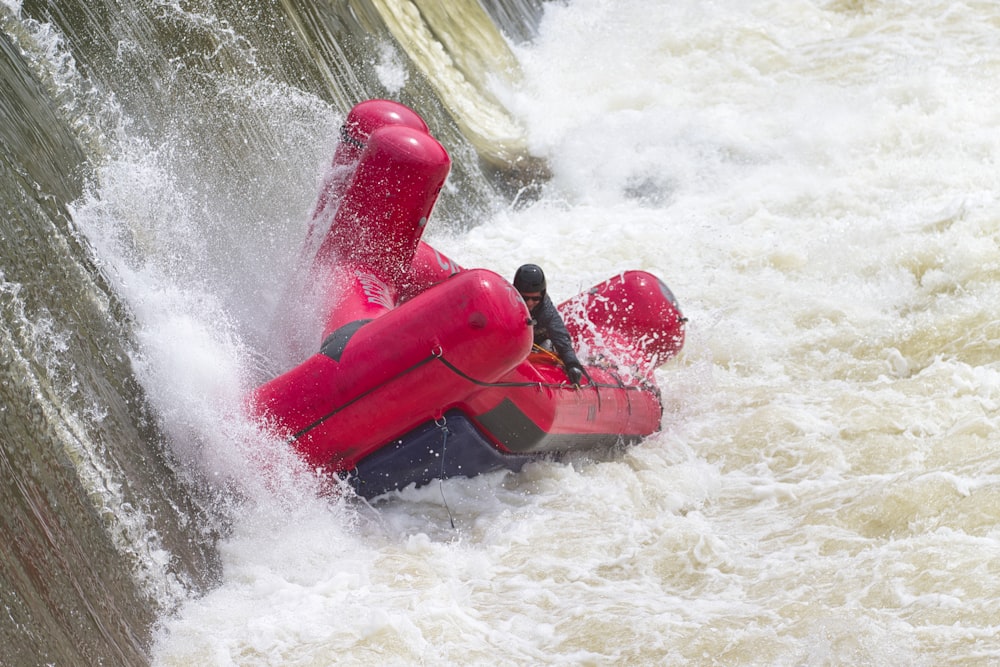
437 354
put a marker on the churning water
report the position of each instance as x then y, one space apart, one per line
818 184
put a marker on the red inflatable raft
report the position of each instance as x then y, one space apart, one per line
426 370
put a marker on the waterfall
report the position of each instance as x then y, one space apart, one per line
141 138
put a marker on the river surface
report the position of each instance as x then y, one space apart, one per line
816 181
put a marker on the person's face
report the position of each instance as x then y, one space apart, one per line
532 299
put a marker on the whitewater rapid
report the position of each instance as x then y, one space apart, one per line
817 183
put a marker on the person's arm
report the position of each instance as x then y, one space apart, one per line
561 341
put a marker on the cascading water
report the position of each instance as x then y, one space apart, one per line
152 154
815 180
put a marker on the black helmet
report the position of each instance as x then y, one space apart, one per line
529 278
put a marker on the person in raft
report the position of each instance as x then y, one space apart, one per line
529 281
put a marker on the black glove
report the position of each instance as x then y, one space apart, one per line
574 372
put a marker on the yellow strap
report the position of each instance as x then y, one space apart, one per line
539 353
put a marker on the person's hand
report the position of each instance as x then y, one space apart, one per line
575 373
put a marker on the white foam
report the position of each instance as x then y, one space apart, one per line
817 184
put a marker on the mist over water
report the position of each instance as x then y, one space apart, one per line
815 181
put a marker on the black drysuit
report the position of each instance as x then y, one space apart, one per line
549 325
